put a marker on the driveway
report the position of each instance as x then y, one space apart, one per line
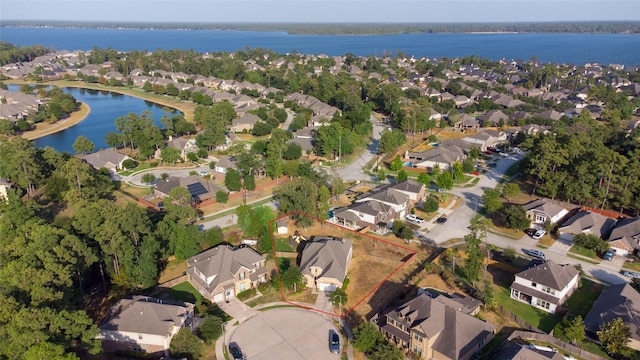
285 333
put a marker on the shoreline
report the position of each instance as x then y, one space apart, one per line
44 129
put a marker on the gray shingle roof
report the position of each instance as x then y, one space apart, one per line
329 254
588 222
145 316
544 206
223 261
615 301
550 274
628 231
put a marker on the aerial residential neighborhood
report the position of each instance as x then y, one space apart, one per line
319 207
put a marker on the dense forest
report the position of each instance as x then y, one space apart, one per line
592 27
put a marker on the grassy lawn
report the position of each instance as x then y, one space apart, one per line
582 258
547 241
538 318
473 183
633 266
269 295
584 252
183 291
172 270
582 300
282 244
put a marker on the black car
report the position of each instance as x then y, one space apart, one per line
441 220
234 349
334 342
530 231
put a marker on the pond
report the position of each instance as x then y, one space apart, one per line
106 107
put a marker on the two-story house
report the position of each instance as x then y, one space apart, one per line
222 272
545 285
185 146
377 216
324 262
143 324
432 329
399 202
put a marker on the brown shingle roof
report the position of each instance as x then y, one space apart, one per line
550 274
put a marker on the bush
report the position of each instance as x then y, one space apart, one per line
222 197
592 242
210 328
431 204
129 164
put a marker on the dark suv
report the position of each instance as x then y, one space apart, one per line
441 220
334 342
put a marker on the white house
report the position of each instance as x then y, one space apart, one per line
143 324
545 285
540 211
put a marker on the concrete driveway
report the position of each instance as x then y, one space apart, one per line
285 333
353 171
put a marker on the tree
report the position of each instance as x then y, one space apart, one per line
515 217
293 152
82 145
431 204
249 182
232 180
510 190
170 155
222 196
474 257
298 195
402 175
614 335
396 164
590 241
444 180
457 170
488 294
186 344
292 278
338 297
491 199
366 337
148 178
574 330
210 328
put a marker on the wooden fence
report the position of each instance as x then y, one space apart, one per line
525 335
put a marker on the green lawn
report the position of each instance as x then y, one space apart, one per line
538 318
183 291
582 300
633 266
584 252
282 244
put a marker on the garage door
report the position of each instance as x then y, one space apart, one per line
218 297
326 287
621 252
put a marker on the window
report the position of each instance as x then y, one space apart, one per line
139 336
540 218
417 349
416 336
242 275
533 284
543 304
516 293
549 290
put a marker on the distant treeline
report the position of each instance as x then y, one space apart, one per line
597 27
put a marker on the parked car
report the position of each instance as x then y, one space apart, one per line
632 274
608 255
536 254
530 231
493 165
441 220
334 342
235 352
538 234
414 218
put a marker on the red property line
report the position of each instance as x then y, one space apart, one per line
275 256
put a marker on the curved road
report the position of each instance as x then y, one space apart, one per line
353 171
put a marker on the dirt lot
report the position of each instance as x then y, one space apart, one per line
372 262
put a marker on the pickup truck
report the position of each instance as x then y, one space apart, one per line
416 219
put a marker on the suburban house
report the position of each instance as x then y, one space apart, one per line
586 222
374 215
4 186
442 156
540 211
108 159
616 301
545 285
486 139
515 351
185 146
413 189
222 272
625 237
224 164
324 262
200 189
397 200
244 123
492 118
143 324
433 330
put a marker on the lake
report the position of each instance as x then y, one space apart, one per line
559 48
106 107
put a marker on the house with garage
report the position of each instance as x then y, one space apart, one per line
324 262
413 189
431 329
514 351
244 123
108 159
545 285
398 201
542 211
185 146
373 215
492 118
224 164
201 189
616 301
586 222
486 139
625 237
143 325
224 271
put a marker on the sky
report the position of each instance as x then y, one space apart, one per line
305 11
